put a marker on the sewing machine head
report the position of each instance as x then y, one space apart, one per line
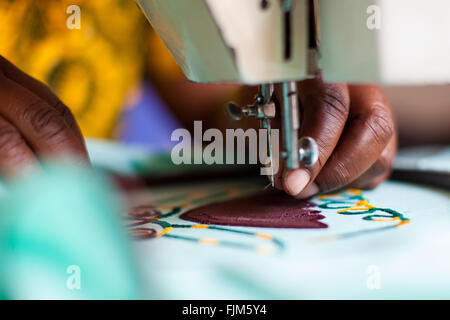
282 41
250 42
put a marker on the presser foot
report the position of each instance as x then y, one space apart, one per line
263 109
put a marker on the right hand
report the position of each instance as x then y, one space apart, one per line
354 128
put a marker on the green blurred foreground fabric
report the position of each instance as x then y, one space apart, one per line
60 238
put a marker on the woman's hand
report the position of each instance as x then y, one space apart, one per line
354 128
33 123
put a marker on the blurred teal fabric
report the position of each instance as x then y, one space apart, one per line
60 238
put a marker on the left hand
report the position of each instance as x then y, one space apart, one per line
34 124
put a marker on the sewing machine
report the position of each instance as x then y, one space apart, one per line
268 42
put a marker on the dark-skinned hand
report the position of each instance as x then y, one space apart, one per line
34 123
354 128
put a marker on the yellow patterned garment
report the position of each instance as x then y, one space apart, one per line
92 69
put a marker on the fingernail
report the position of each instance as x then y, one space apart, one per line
310 191
295 181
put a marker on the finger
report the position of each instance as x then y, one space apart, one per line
16 155
41 90
380 170
325 112
376 182
369 130
44 129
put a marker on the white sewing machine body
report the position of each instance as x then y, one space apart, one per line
384 41
266 42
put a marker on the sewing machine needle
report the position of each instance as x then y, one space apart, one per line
270 153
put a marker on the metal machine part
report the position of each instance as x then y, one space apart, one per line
290 124
308 152
294 152
263 109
